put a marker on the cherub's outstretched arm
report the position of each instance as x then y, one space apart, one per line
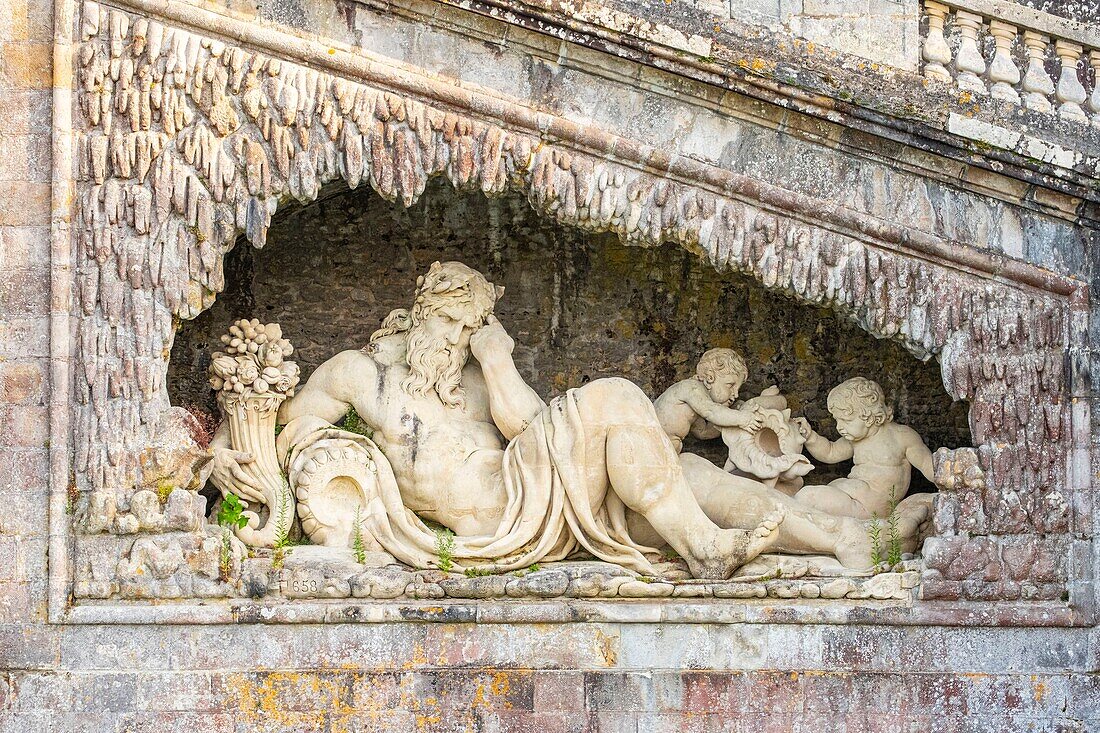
821 447
719 416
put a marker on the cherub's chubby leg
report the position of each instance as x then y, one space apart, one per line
626 447
836 498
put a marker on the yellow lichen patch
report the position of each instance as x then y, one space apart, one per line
607 648
419 657
280 698
1039 688
498 685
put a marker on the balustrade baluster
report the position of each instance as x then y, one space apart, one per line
936 52
1037 84
1069 92
969 61
1094 100
1002 70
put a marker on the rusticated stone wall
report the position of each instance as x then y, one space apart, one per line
756 674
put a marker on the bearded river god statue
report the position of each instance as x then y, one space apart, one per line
467 444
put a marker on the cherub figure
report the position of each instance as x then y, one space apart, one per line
883 452
704 402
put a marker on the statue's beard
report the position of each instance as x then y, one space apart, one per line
434 363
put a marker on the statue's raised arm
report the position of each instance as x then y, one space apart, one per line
513 403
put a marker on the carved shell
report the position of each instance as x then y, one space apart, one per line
333 480
768 452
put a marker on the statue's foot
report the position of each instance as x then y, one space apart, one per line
732 548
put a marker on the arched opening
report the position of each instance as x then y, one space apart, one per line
580 306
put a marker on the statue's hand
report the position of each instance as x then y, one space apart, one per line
752 419
804 428
230 477
491 339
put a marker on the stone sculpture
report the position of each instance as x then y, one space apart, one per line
706 401
883 453
471 446
257 130
252 379
763 442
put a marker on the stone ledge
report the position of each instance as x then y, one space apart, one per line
895 613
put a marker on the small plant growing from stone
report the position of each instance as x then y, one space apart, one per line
230 514
476 572
282 530
893 532
444 549
357 543
355 424
225 561
874 534
164 490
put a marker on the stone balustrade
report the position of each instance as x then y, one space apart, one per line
1015 54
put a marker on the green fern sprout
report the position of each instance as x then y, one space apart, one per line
874 534
357 543
445 548
282 520
893 532
225 561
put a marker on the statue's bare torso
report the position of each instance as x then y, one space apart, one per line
446 460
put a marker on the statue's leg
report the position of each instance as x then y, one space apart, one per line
835 498
644 471
735 501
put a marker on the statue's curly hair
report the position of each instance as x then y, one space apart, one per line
862 398
720 361
446 285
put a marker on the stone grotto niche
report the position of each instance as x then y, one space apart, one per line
186 145
581 307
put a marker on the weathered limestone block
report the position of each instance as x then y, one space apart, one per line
425 590
381 583
640 589
539 584
596 585
837 588
487 586
881 587
982 568
739 590
178 565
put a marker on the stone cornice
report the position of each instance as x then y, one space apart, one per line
889 103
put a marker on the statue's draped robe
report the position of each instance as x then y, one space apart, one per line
548 515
